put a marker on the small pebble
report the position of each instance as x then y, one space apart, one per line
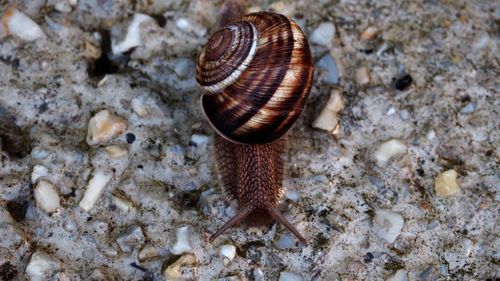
42 266
369 33
323 34
199 140
290 276
184 67
94 190
388 150
431 135
139 107
446 183
292 195
116 151
362 76
99 274
121 203
182 244
63 6
402 83
110 250
404 114
92 51
188 26
130 138
329 117
133 37
391 111
258 275
20 25
286 241
38 153
39 171
46 196
173 272
387 225
130 239
331 73
469 108
150 252
104 126
228 251
400 275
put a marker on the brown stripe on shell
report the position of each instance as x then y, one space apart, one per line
247 111
288 102
256 85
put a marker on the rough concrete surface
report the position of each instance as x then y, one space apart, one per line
107 169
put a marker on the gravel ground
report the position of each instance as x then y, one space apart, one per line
107 167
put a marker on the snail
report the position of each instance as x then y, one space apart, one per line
255 75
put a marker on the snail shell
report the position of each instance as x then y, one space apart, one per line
256 75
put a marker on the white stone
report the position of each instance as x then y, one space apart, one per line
323 34
63 6
73 2
20 25
388 150
103 126
139 107
39 171
38 153
292 195
228 251
182 243
400 275
446 183
387 225
431 135
116 151
188 26
469 108
330 73
184 67
200 140
258 275
149 252
121 203
42 266
328 119
94 190
391 111
46 196
286 241
133 37
290 276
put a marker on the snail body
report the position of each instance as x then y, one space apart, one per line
256 75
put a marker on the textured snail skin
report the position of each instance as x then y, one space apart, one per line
254 95
256 75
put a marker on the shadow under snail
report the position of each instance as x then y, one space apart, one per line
256 75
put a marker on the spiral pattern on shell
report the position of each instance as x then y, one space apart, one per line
256 75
